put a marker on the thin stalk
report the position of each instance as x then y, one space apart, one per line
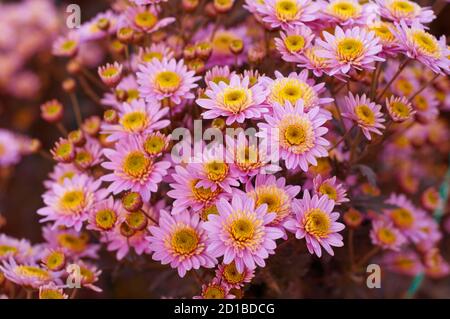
388 85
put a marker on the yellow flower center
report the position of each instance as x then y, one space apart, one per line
231 274
210 210
404 86
426 43
219 79
294 43
286 10
292 90
33 272
421 103
134 121
105 219
68 175
329 190
344 10
270 197
349 49
50 294
214 292
68 45
154 144
64 149
83 157
136 164
296 133
145 20
184 241
5 249
317 223
55 260
72 242
72 200
109 71
386 236
402 8
87 275
242 229
402 218
168 81
383 32
400 109
132 94
149 56
216 171
236 99
365 114
203 194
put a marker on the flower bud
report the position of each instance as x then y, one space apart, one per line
132 201
137 220
103 24
77 138
110 116
189 52
125 35
111 74
91 125
63 151
223 6
236 46
190 5
353 218
52 111
204 50
73 67
69 85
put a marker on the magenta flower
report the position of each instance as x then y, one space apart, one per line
298 134
236 101
241 233
144 19
69 204
353 48
133 169
181 242
293 42
404 10
317 223
166 79
331 188
138 117
385 235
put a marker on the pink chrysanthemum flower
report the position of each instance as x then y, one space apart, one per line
213 170
133 169
317 223
218 74
69 204
287 13
275 194
52 291
407 218
430 228
298 134
236 100
311 61
350 49
110 74
387 38
418 44
345 12
331 188
11 247
399 108
66 46
9 148
296 87
215 290
138 117
187 194
105 215
365 113
60 172
426 106
89 155
145 19
251 157
89 275
229 275
91 30
27 275
293 42
404 262
404 10
166 79
72 243
181 242
157 51
430 198
127 88
241 232
385 235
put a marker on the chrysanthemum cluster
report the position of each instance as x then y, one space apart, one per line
210 137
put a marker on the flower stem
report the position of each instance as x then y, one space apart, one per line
76 109
388 85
